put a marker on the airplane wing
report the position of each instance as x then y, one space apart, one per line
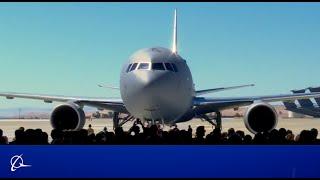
206 105
111 104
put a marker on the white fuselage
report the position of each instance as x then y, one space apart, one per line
154 89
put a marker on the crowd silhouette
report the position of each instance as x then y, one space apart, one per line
140 134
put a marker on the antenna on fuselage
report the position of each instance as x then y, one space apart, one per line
175 36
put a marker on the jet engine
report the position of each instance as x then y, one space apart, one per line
260 117
68 116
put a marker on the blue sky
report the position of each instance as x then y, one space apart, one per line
69 48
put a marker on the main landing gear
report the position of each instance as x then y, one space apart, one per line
217 119
118 121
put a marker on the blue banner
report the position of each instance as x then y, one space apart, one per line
159 161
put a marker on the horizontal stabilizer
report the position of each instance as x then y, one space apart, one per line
108 87
206 91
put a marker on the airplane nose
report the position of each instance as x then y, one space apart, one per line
151 88
152 81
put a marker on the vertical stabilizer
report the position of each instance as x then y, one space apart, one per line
175 36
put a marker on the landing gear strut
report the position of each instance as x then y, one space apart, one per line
115 120
118 122
217 119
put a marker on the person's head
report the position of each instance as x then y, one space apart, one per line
154 130
224 135
235 139
136 130
118 131
240 133
314 133
200 132
247 139
18 133
54 133
217 131
282 132
38 132
304 136
290 137
230 131
105 129
44 137
89 125
259 138
1 133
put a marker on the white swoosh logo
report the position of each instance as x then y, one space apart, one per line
17 162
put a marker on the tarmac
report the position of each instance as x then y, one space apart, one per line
296 125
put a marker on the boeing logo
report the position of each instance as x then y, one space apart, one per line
17 162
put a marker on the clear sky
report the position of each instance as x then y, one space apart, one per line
69 48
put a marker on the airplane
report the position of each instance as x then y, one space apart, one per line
156 85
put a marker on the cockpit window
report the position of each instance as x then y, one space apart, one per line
154 66
143 66
128 68
175 67
157 66
169 67
133 67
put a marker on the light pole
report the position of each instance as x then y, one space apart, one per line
19 113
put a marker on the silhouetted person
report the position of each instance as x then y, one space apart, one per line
155 135
274 137
247 139
290 138
3 139
90 130
230 132
105 130
314 135
200 132
241 134
120 136
305 137
190 130
235 139
44 138
57 136
19 137
259 138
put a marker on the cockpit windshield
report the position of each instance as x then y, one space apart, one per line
154 66
143 66
157 66
169 66
175 67
133 67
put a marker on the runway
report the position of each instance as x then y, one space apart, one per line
295 124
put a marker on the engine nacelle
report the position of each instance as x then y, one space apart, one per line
260 117
68 116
